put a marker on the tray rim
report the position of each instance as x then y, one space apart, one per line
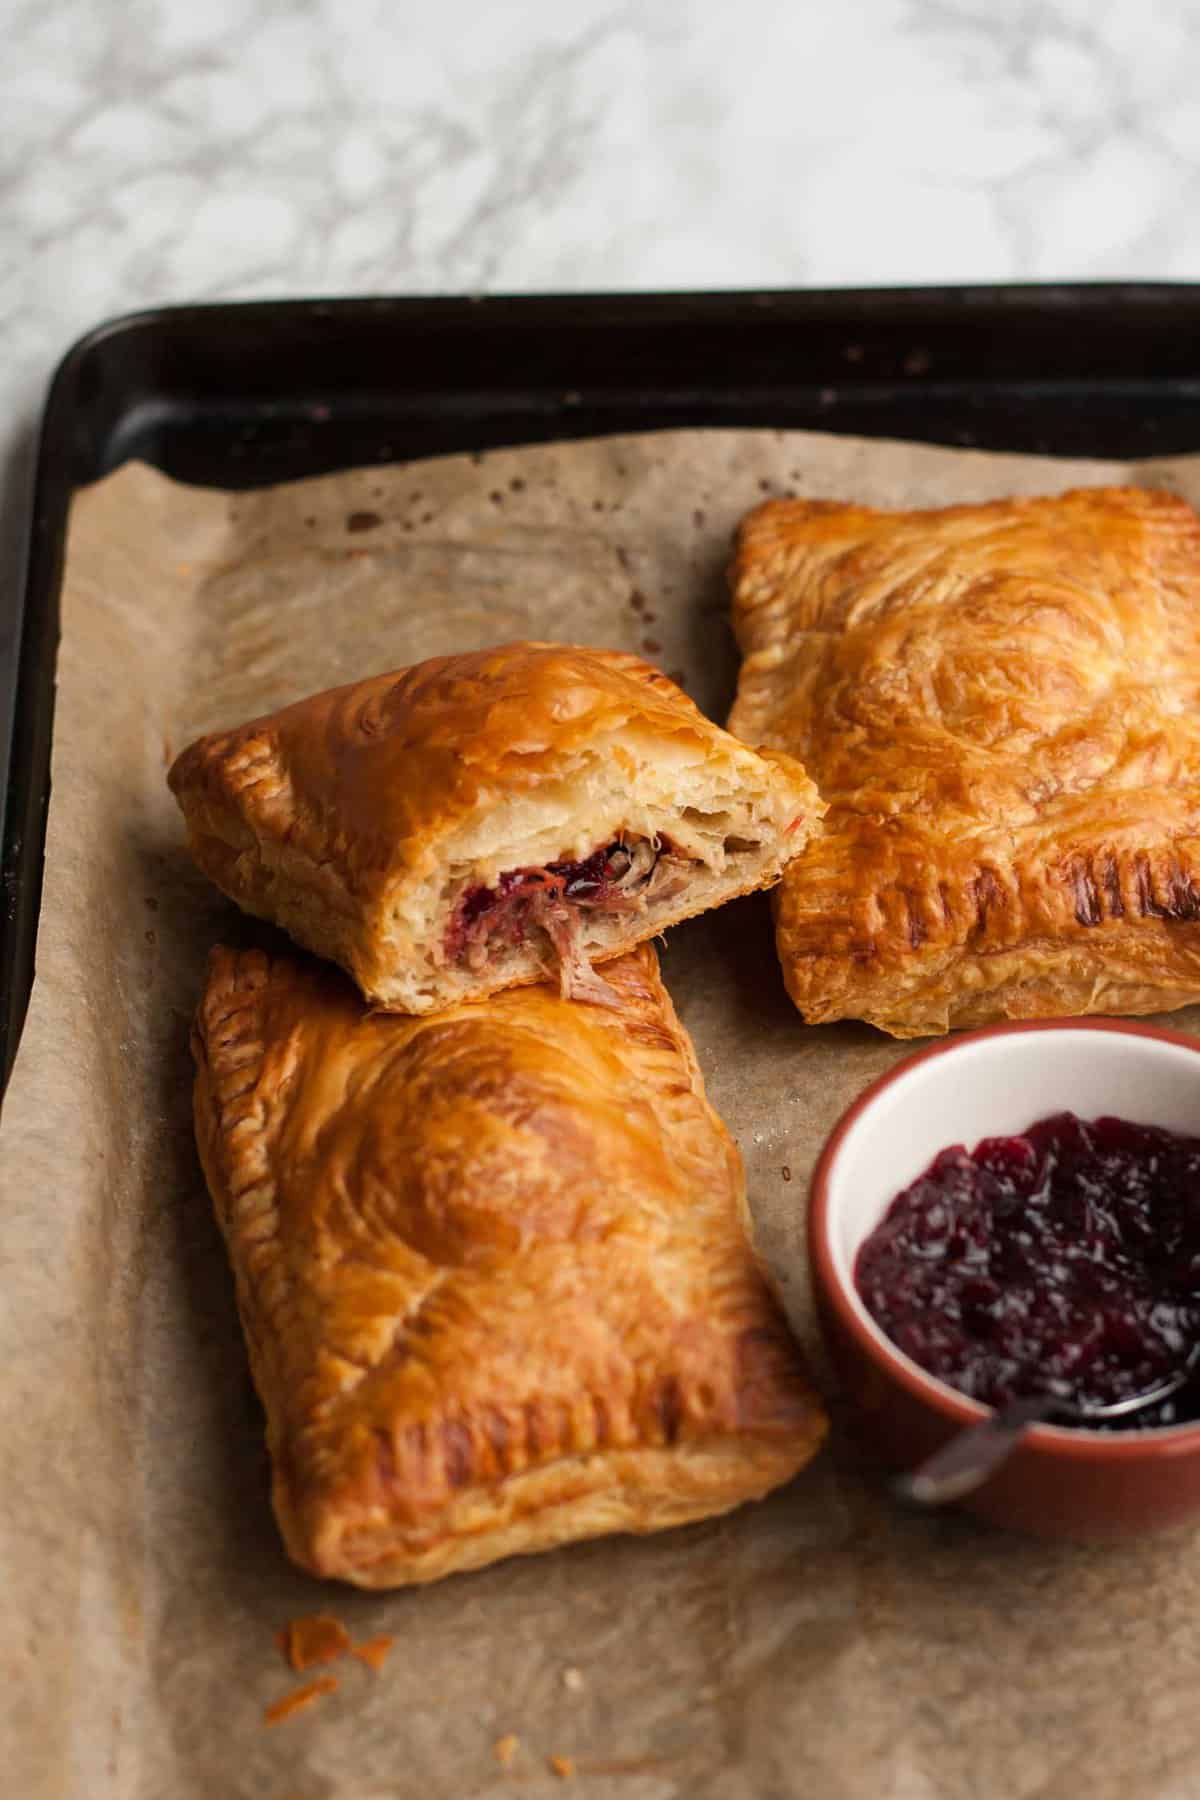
29 677
1030 296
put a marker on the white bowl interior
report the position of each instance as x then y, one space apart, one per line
995 1087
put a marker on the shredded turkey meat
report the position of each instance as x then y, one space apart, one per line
614 879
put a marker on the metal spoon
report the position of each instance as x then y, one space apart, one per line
965 1463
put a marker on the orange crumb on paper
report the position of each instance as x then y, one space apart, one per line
505 1748
316 1639
298 1699
562 1766
373 1652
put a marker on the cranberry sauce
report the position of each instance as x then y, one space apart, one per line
1066 1260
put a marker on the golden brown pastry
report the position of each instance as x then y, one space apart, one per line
471 823
999 704
493 1270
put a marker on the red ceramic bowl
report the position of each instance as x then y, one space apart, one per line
1065 1483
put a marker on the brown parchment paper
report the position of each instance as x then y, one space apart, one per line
821 1644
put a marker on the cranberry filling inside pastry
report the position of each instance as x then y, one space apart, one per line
619 877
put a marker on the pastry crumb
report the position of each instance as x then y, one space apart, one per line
298 1699
373 1651
572 1680
505 1748
316 1639
562 1766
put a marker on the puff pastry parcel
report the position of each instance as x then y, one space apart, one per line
478 821
999 704
493 1269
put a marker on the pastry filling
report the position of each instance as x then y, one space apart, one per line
620 877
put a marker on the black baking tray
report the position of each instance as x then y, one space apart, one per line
249 394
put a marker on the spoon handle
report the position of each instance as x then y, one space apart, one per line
965 1463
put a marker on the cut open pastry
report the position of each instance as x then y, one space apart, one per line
1001 705
481 821
493 1269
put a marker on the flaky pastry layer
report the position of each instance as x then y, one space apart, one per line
999 704
378 823
493 1270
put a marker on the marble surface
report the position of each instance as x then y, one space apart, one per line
161 150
